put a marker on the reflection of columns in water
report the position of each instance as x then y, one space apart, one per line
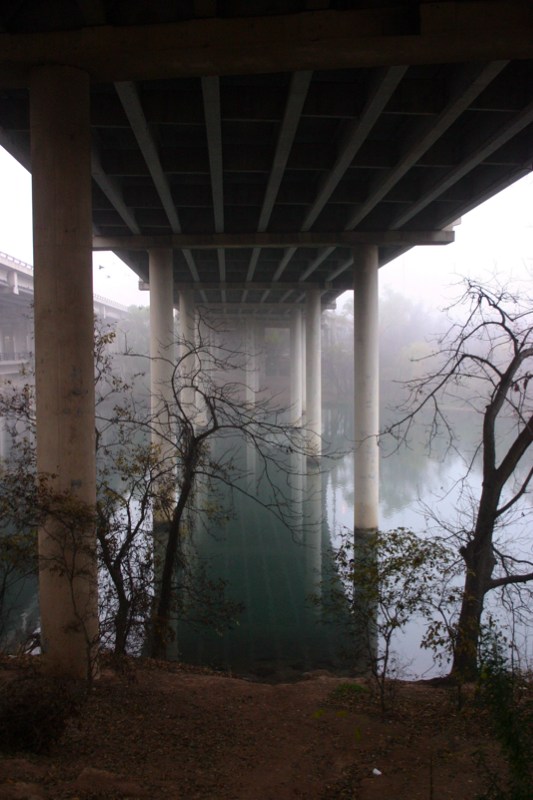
313 370
313 530
64 365
366 367
366 635
251 388
296 367
298 467
251 465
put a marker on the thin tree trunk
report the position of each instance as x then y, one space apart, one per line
161 619
479 562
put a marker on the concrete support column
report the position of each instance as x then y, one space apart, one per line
366 359
188 355
162 363
313 354
251 368
304 368
162 344
296 367
64 363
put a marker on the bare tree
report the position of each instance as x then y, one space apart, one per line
147 482
483 365
156 454
210 403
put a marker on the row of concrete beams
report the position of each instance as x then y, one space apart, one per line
469 84
472 81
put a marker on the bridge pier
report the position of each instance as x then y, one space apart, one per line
161 342
64 362
313 371
296 394
188 353
366 370
251 368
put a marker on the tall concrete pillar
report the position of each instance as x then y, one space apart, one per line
304 367
366 360
251 367
188 355
64 362
313 354
162 347
251 388
296 367
162 364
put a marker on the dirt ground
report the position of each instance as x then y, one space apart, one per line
164 731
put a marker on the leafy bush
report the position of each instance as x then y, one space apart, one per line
502 690
383 580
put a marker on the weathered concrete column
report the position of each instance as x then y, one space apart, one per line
250 365
161 340
296 367
313 354
366 363
64 363
162 363
188 356
304 367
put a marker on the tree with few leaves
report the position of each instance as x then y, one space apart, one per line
382 581
483 367
210 404
146 581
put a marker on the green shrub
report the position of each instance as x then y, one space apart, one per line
501 691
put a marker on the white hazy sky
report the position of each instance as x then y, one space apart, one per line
495 238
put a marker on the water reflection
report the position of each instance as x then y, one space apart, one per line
275 573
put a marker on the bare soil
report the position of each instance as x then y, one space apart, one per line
158 730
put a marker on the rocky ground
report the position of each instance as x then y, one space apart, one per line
159 730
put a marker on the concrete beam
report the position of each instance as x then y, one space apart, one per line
213 241
452 33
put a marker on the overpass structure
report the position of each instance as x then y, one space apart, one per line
254 155
16 314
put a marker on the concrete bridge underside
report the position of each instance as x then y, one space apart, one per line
270 157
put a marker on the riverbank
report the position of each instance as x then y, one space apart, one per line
158 730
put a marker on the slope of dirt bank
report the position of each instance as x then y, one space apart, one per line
165 731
